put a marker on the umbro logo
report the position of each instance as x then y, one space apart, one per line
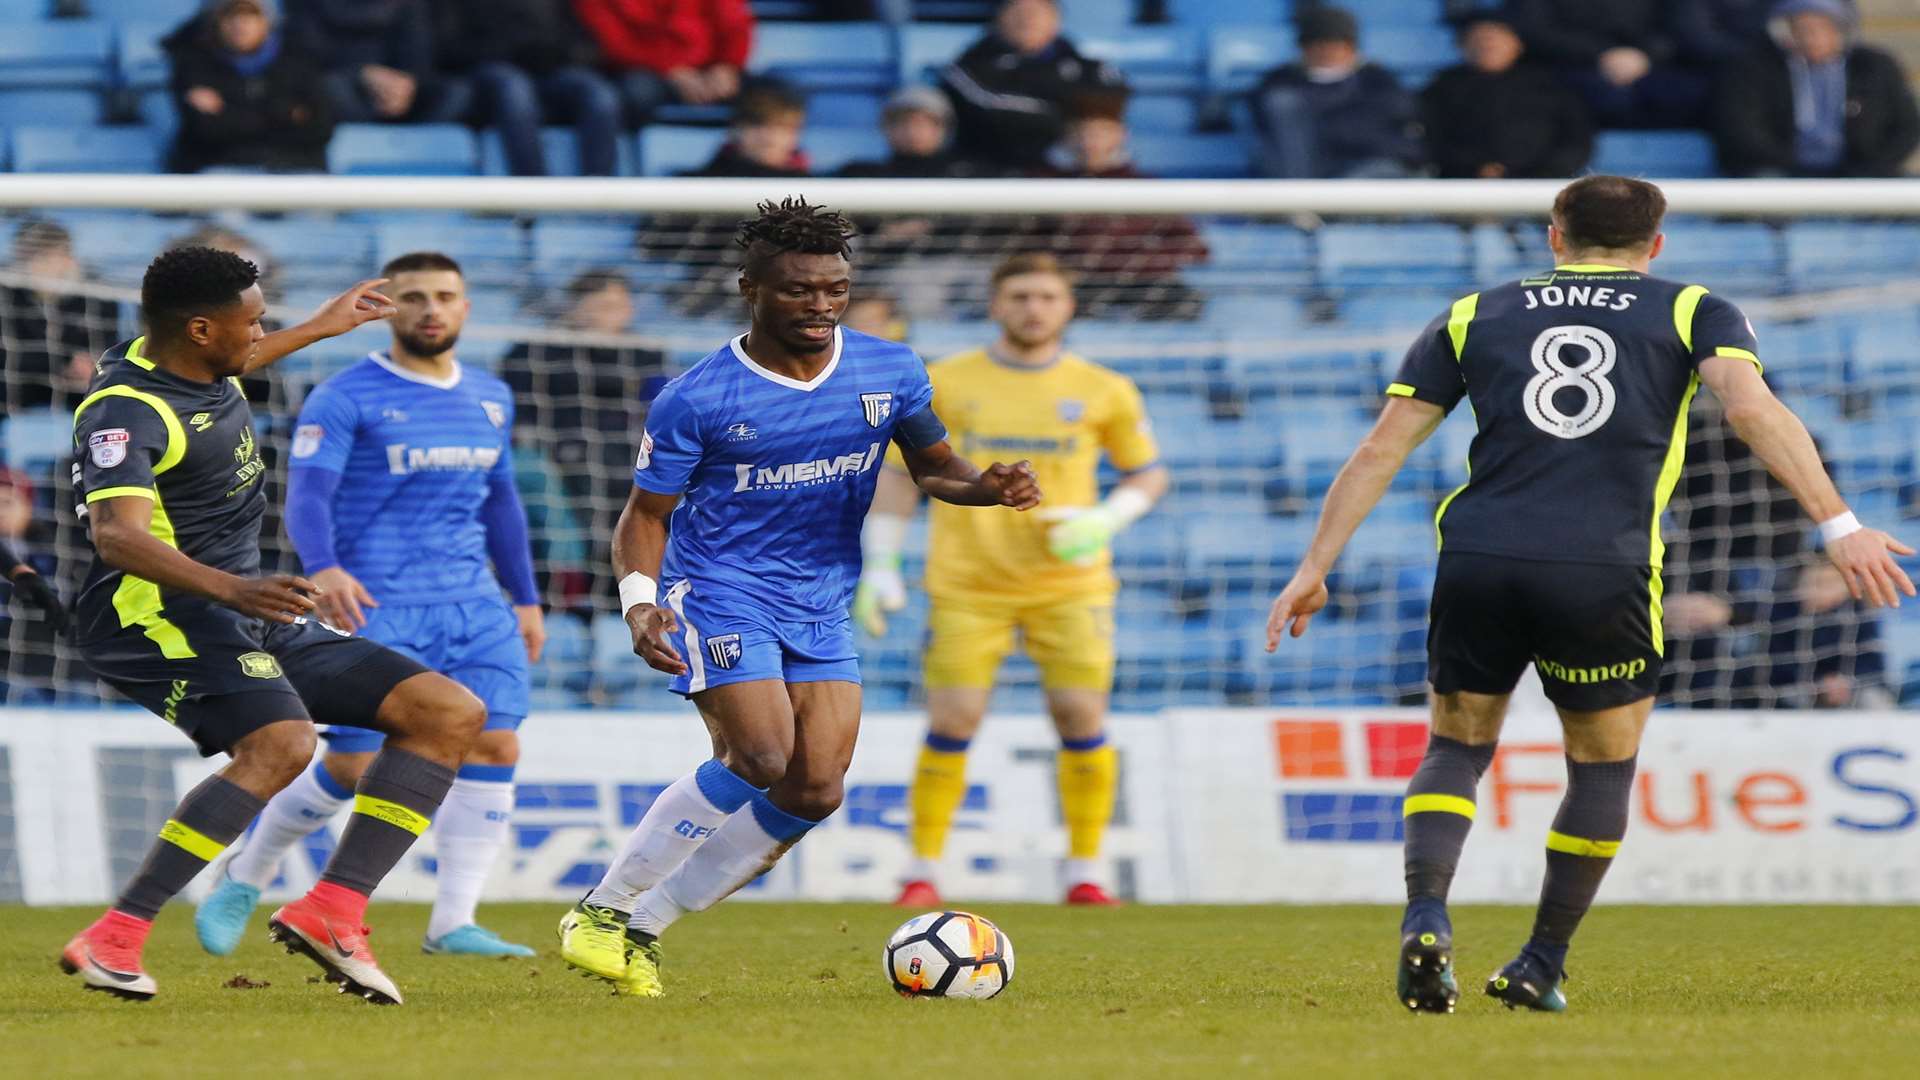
741 432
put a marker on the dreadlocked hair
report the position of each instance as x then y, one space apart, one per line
793 225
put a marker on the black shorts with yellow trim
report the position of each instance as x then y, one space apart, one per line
219 676
1591 630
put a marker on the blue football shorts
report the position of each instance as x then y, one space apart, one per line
476 643
727 638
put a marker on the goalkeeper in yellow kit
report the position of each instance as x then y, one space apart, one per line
1045 578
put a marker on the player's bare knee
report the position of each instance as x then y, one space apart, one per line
435 711
815 800
498 747
763 767
277 753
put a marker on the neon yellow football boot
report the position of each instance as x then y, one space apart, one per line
643 967
594 940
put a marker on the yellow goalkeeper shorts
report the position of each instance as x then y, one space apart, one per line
1070 641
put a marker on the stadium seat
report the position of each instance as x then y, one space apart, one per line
969 11
1885 350
1162 59
1171 113
825 56
1261 246
1184 156
85 150
1827 254
143 64
1084 19
34 439
490 250
67 108
161 116
845 109
328 251
567 244
1239 56
832 148
103 240
1429 255
56 55
562 148
1414 52
169 13
402 150
1495 256
1211 13
1731 256
1663 155
670 150
927 47
1812 355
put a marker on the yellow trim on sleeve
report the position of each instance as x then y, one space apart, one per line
1442 804
138 602
176 435
134 356
392 813
1399 389
1684 305
1578 845
191 840
1458 320
121 493
1740 354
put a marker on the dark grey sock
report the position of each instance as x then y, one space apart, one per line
204 823
1586 833
1436 827
393 805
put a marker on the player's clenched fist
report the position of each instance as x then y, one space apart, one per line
280 598
1015 484
652 629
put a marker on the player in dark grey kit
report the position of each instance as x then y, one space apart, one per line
176 615
1580 380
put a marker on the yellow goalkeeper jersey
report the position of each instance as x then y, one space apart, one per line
1060 417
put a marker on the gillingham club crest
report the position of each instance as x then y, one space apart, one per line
877 408
724 651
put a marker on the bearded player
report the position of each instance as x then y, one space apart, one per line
400 495
1046 578
762 457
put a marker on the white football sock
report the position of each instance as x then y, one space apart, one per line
921 869
1085 871
679 821
469 830
299 810
743 848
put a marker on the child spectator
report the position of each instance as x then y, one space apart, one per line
764 139
918 124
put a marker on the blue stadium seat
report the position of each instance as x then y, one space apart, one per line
1495 256
52 55
1211 13
67 108
143 64
1393 311
402 150
832 148
1085 19
1414 52
927 47
1807 357
85 150
118 244
1731 256
1430 255
161 116
480 244
845 109
669 150
1885 346
1177 155
566 244
33 439
825 56
1239 56
970 11
324 249
1163 59
169 13
1258 245
562 148
1825 254
1665 155
1172 113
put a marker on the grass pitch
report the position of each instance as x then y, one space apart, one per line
1181 991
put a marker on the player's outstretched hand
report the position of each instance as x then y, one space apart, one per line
342 599
1298 603
1015 484
653 628
1865 559
30 587
280 598
356 307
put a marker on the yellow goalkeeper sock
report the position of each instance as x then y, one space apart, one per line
939 786
1089 773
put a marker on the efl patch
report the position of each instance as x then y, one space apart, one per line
496 412
259 665
108 447
877 407
306 440
646 450
725 650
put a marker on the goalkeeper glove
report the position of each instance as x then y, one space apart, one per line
880 591
1081 536
33 589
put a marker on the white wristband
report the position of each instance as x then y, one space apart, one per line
1127 505
636 589
1841 525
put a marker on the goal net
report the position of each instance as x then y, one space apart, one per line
1261 322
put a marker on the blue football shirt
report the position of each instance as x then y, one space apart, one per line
777 474
417 458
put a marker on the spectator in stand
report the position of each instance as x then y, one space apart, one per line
21 531
1495 116
918 124
666 51
1333 114
1824 649
1819 104
585 400
1012 86
245 96
530 64
1620 55
1127 265
876 313
380 61
49 335
764 138
1713 32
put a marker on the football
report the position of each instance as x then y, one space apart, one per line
949 954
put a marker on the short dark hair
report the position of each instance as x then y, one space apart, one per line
1609 213
588 282
791 226
189 281
766 101
1030 262
36 235
414 262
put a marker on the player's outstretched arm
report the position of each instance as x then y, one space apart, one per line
639 543
1865 557
123 535
1404 424
947 476
356 307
